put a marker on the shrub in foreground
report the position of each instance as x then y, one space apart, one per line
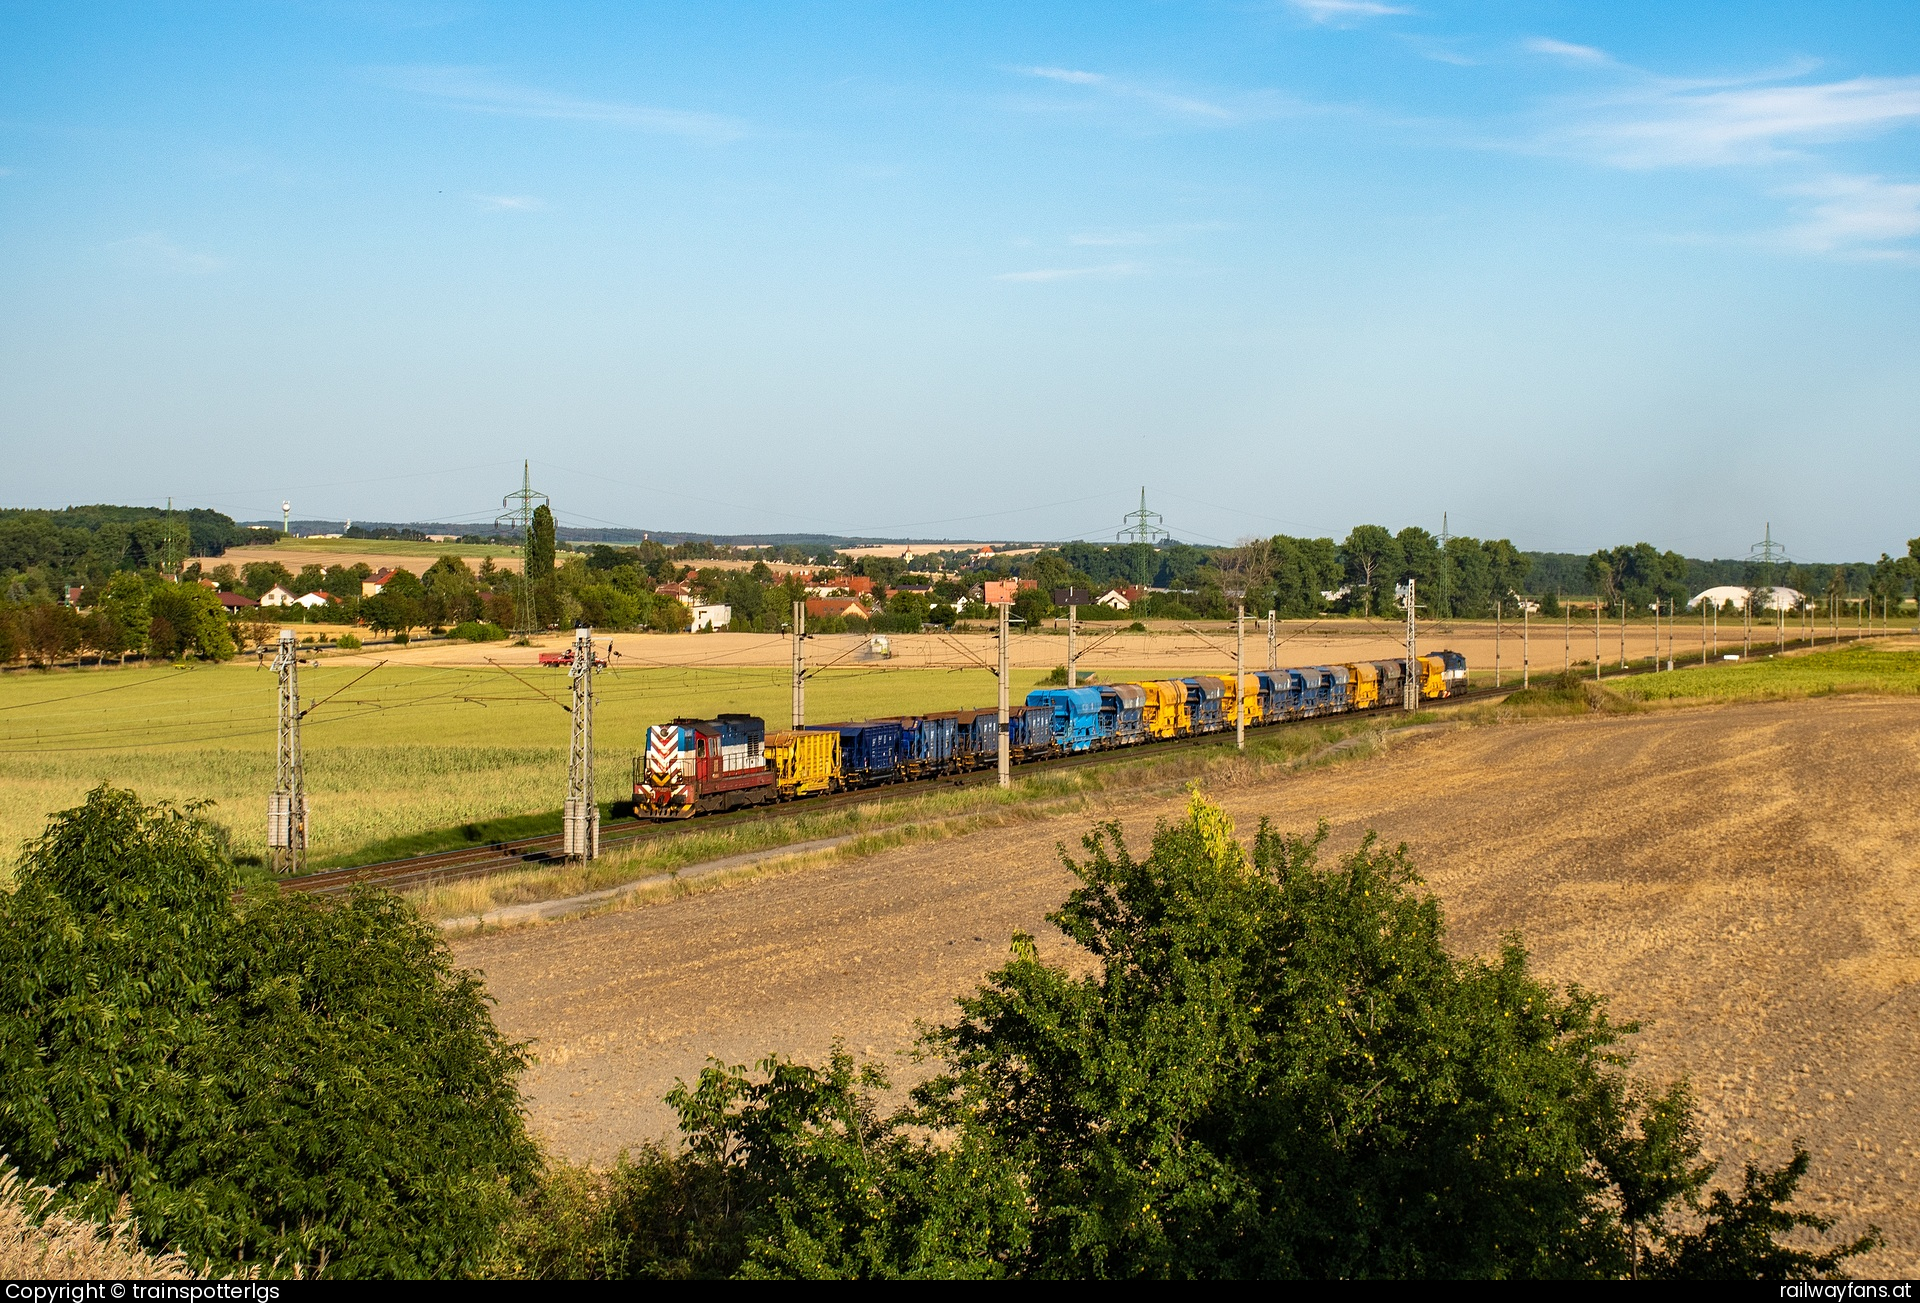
267 1079
1276 1070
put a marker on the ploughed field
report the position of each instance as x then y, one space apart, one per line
1739 878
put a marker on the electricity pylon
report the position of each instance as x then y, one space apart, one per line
581 816
287 807
1145 526
526 617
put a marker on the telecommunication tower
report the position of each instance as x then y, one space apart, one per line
581 816
287 807
519 514
286 516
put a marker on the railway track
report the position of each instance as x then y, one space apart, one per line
502 856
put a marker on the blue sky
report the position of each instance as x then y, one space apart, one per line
1576 275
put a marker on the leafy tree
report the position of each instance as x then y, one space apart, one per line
391 612
1370 558
1302 569
195 624
602 606
540 563
278 1082
52 632
1034 605
451 593
259 576
1419 559
1466 577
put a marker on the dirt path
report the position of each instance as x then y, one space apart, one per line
1742 879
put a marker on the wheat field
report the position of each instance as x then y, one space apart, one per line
402 750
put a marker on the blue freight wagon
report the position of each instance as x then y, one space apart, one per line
869 752
1076 716
976 736
1282 698
1030 730
1123 712
1338 686
1309 686
1203 701
931 747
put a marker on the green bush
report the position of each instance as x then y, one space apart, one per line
477 631
347 642
268 1079
1276 1069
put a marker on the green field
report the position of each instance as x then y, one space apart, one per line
1862 667
399 753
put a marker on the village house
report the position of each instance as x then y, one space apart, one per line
844 607
277 596
373 583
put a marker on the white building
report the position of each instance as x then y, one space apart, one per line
318 597
277 596
1115 599
711 616
1778 599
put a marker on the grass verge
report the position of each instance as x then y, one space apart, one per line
1861 667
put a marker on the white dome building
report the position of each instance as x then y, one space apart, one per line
1778 599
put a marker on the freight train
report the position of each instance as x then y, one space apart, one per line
701 766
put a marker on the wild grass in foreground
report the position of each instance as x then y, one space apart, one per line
39 1244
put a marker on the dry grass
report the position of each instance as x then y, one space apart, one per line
34 1246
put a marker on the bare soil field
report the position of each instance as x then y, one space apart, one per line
1741 879
296 553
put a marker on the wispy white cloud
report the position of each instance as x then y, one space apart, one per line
1682 126
154 252
1136 238
1107 272
511 203
477 91
1340 13
1072 76
1863 216
1565 50
1176 105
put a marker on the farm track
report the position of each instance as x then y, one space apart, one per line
481 861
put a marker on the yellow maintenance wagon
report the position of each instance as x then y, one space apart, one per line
1244 696
1363 686
805 761
1166 713
1433 677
